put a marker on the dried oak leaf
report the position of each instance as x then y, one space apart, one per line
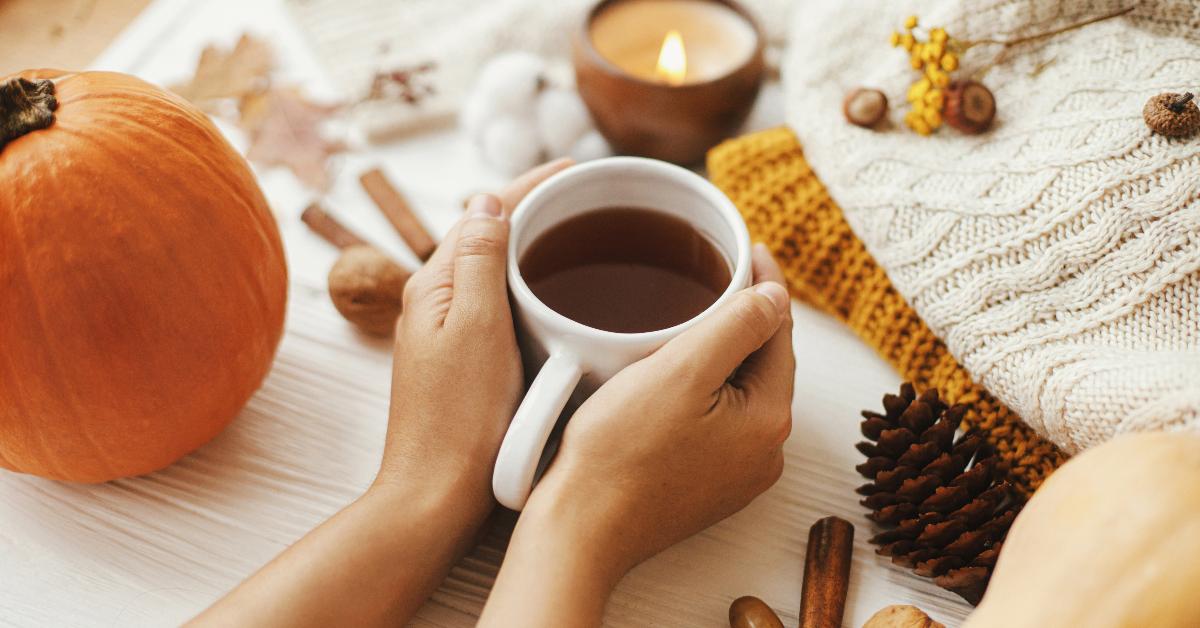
408 84
236 73
285 130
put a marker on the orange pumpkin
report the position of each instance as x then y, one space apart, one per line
142 277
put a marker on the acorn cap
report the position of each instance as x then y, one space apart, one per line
970 106
1172 115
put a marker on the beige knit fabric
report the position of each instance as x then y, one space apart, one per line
1058 255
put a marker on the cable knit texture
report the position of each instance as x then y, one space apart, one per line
787 208
1058 254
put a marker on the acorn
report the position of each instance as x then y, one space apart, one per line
865 107
750 612
970 106
1172 115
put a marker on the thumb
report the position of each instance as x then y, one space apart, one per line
717 345
480 260
770 371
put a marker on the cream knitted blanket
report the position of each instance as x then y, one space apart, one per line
1058 255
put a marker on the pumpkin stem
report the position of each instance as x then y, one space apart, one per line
25 105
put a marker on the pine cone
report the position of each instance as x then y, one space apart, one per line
943 502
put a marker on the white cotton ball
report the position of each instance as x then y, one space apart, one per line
591 146
510 82
510 144
474 115
562 119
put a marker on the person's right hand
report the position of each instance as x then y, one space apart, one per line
671 445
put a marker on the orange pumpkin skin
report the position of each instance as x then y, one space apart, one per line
142 283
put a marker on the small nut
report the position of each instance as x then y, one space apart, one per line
1172 115
970 106
367 288
901 616
865 107
751 612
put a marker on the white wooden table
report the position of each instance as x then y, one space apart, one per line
154 550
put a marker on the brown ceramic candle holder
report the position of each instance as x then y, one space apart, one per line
676 123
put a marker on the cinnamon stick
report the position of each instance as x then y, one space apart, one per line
396 209
826 573
328 227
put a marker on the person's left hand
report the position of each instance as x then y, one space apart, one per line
456 375
456 381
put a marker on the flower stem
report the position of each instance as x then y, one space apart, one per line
1058 31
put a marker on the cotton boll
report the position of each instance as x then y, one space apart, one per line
562 119
591 146
474 115
510 144
510 82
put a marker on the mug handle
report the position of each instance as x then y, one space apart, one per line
517 462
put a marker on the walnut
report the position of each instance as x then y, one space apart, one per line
367 287
1172 115
901 616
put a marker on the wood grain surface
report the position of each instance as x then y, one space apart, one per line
154 550
64 34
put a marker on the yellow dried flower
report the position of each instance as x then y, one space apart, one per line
935 98
932 117
916 122
935 61
917 90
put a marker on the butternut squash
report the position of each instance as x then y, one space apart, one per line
1111 540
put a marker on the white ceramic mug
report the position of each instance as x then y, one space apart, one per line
576 359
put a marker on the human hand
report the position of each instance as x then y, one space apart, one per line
687 436
455 383
456 375
671 445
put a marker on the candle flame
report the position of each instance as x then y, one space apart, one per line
672 60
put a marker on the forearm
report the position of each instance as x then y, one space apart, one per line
554 573
373 563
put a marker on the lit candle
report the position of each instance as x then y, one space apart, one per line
672 59
673 41
668 78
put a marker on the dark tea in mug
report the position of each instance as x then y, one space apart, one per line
625 269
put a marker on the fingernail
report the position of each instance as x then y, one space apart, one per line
776 293
761 248
485 206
